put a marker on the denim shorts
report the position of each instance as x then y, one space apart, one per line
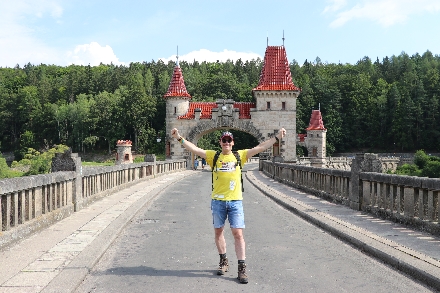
233 210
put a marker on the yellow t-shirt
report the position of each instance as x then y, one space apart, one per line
226 175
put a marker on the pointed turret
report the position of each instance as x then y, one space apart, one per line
316 122
177 86
275 75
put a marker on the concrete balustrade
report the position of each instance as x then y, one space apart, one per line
34 202
405 199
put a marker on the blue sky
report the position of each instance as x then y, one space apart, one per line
64 32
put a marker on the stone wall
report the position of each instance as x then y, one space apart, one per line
31 203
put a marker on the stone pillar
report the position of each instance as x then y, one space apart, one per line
69 161
355 190
151 158
361 163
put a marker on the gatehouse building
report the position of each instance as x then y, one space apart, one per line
274 107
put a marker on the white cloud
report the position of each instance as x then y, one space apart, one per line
335 5
384 12
209 56
92 54
17 42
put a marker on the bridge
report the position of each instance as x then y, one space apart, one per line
148 225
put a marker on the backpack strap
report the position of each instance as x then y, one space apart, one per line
237 156
214 165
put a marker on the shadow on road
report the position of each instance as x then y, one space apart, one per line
149 271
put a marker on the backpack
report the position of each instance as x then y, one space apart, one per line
214 165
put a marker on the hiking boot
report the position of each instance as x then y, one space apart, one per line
223 266
242 277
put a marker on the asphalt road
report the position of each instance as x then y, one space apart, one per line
169 247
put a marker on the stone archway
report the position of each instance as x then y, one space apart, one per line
210 125
204 127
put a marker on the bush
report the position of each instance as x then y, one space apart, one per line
35 162
421 159
431 170
42 163
5 172
408 169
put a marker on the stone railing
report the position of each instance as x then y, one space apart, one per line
405 199
253 160
34 202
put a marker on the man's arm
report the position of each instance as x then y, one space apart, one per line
266 144
187 144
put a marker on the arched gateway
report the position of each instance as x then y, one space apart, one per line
274 107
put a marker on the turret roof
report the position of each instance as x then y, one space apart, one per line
316 121
275 74
177 86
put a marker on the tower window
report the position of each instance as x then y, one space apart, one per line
267 105
283 105
175 110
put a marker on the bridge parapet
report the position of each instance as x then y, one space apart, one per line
405 199
31 203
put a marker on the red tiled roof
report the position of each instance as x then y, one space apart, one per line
177 86
206 107
206 110
302 137
275 74
316 121
245 109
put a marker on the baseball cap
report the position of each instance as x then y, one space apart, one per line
227 134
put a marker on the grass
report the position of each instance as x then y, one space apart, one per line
98 163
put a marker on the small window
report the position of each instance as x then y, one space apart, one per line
127 157
175 110
283 105
267 105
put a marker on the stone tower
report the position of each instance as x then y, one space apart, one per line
315 140
177 104
275 98
123 154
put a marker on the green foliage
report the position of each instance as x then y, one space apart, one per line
424 166
98 163
210 141
391 104
138 160
421 159
5 171
35 162
431 170
26 141
409 170
90 141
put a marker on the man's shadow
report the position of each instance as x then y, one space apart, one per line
150 271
